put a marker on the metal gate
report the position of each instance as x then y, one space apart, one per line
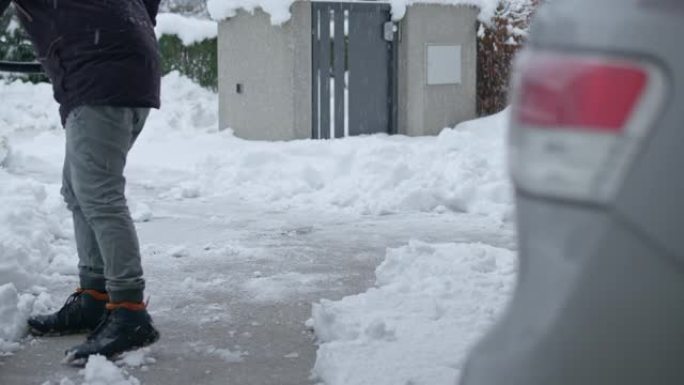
354 69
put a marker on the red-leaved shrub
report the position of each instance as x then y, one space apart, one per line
498 42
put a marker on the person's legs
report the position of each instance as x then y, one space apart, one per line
90 264
85 308
98 141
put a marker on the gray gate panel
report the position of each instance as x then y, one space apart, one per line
357 59
315 66
339 66
324 62
369 72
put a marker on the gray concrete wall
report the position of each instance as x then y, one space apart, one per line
273 65
427 109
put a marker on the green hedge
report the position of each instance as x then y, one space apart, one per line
197 61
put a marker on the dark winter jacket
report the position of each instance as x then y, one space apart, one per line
96 52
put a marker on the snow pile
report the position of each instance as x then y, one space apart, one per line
32 224
461 170
34 227
136 359
4 150
100 371
32 251
27 107
430 304
182 155
190 30
280 9
13 310
487 7
187 109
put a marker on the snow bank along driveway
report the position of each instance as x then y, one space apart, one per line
430 301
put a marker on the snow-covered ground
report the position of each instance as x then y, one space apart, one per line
430 304
275 212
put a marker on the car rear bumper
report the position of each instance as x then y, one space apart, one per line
595 304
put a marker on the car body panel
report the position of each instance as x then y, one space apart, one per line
600 295
652 193
594 305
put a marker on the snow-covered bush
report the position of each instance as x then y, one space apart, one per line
498 42
198 61
189 45
185 7
15 46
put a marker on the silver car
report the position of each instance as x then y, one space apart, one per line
597 158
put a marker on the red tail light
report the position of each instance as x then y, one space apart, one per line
578 121
579 93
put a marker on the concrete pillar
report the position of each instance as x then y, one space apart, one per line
435 41
265 82
265 75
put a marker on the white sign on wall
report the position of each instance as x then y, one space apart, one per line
443 64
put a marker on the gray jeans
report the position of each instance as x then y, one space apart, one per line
98 139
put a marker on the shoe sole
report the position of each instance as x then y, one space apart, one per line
37 333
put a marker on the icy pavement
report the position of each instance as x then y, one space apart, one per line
267 262
232 285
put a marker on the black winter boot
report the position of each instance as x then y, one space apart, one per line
123 329
81 313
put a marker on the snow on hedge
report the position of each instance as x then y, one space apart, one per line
280 9
189 29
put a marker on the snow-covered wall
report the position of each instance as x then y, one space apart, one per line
280 9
